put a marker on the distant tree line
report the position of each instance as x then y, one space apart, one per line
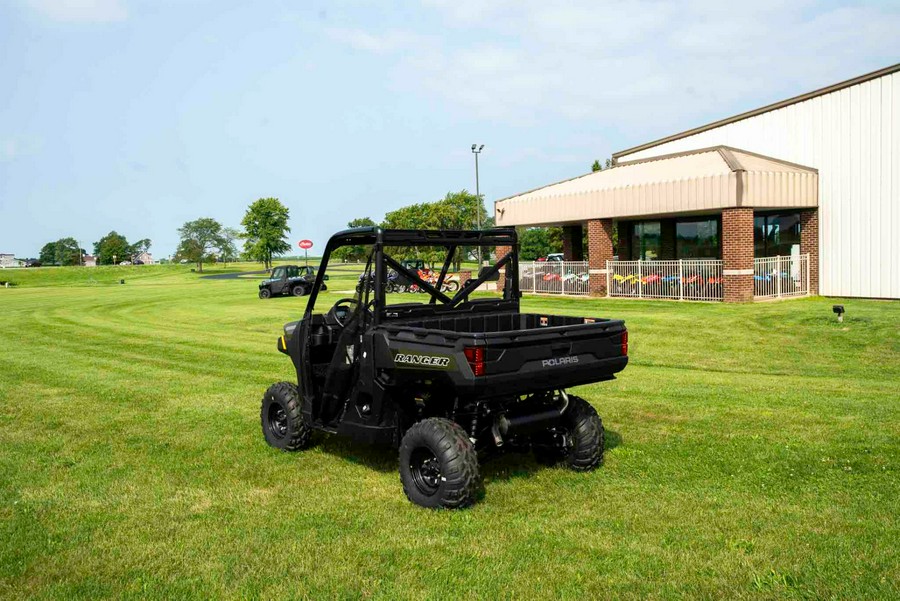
64 251
111 248
265 224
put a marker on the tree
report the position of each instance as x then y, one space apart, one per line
48 254
68 252
265 230
201 240
456 211
141 246
229 248
534 243
112 248
598 167
64 251
361 222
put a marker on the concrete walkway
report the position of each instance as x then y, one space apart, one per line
232 276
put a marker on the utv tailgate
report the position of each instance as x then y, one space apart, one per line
519 353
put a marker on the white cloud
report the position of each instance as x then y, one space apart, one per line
82 11
632 62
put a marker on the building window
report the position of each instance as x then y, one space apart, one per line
645 240
697 239
776 234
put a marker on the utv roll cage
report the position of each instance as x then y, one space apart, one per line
452 240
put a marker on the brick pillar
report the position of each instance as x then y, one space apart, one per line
571 239
666 239
499 253
737 254
809 243
600 250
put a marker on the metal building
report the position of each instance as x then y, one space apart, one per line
798 197
850 133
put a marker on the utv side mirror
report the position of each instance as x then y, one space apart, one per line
325 277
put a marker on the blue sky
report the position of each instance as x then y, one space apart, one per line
140 115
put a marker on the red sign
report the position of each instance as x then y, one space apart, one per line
305 244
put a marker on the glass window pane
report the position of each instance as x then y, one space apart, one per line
759 236
646 240
776 234
788 233
697 239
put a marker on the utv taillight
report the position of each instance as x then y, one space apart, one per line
625 343
475 357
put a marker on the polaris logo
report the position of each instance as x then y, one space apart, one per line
421 360
557 361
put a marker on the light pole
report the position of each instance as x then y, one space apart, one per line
476 150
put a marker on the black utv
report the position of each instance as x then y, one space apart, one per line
446 378
288 279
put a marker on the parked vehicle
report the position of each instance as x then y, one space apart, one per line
397 282
288 279
442 380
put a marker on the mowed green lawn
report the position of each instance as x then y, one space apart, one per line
753 451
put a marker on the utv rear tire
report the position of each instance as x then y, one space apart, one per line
264 293
299 290
585 436
282 419
439 465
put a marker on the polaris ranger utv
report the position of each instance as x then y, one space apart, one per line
445 379
288 279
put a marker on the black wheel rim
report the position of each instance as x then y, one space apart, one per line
278 421
425 469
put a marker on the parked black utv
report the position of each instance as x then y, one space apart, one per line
288 279
444 379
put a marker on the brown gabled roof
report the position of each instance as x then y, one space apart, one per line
704 180
759 111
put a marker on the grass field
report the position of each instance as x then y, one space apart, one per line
753 452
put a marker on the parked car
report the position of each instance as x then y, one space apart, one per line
288 279
443 380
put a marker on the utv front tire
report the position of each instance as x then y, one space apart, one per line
282 420
439 465
264 293
584 435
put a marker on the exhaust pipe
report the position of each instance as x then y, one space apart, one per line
526 424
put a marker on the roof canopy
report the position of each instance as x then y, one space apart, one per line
698 181
396 237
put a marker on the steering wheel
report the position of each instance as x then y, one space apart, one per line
340 312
